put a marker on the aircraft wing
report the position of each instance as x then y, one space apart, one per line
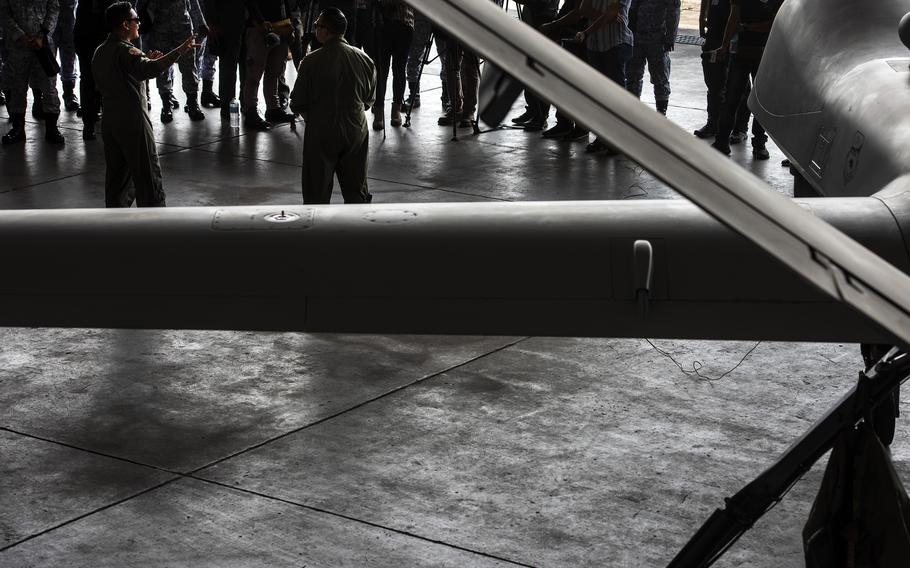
810 247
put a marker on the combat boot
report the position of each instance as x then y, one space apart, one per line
167 115
17 132
378 118
395 118
70 101
192 108
37 106
708 130
51 132
209 98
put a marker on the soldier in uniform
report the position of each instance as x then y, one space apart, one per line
172 22
654 24
121 71
335 85
64 42
205 62
27 24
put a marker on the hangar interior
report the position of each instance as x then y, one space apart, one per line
218 448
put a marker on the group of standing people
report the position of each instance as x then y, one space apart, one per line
735 33
339 82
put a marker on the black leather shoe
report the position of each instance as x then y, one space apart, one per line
278 115
192 109
51 132
760 152
70 102
523 118
175 104
17 132
577 133
448 119
706 131
722 148
255 122
167 115
557 131
600 147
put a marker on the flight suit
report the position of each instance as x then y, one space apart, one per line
121 71
335 85
21 67
172 22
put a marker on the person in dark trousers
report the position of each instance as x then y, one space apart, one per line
335 85
227 23
609 43
566 127
712 21
121 71
751 21
535 13
268 36
88 34
395 32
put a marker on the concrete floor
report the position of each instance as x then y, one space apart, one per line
192 448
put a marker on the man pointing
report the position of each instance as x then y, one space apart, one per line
120 71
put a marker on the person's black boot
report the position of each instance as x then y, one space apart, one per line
37 105
175 104
167 115
708 130
88 131
70 101
413 94
192 108
209 98
51 132
662 107
17 132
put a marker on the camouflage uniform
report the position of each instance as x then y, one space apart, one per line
172 22
63 40
20 18
205 59
654 24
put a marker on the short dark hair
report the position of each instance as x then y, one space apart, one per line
116 14
335 20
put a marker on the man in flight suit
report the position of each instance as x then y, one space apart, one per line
335 85
121 70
